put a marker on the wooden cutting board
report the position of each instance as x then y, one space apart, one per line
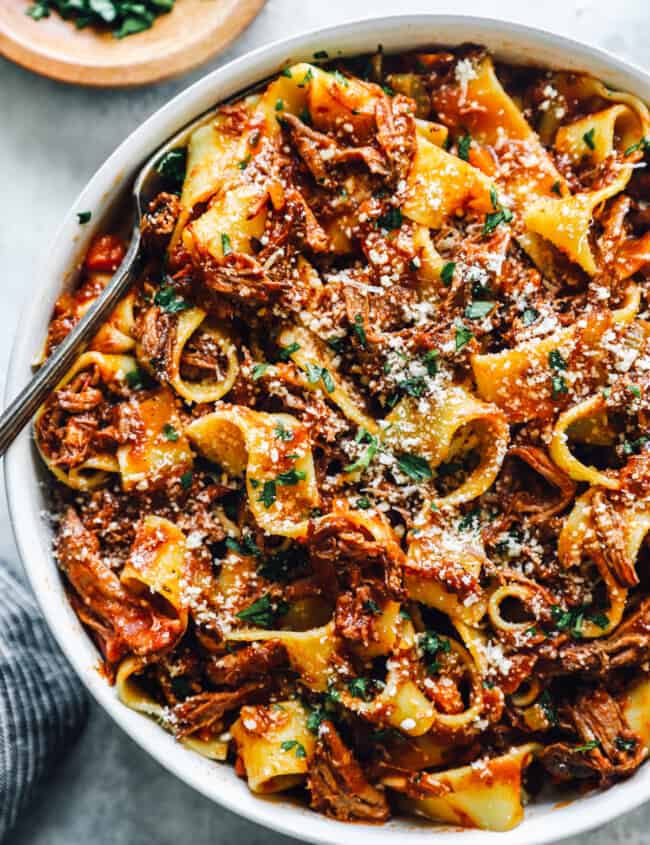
192 32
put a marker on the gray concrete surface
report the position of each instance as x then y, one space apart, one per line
52 138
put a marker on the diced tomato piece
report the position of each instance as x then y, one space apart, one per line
105 254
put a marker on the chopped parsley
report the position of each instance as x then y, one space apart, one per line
556 361
496 218
556 187
593 743
643 144
247 547
634 390
291 477
363 462
363 503
359 330
166 298
124 17
372 607
337 343
84 216
283 433
431 361
464 143
316 374
623 744
171 166
463 336
287 351
415 466
358 688
315 718
259 370
170 433
264 611
588 138
295 746
279 105
267 496
186 479
391 219
633 447
529 316
431 646
135 378
470 521
572 620
447 273
243 164
558 385
338 76
226 246
478 309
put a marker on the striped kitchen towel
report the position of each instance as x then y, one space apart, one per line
42 703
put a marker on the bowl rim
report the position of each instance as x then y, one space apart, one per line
219 783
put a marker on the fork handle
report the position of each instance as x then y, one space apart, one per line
19 412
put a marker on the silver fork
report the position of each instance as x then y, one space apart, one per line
147 183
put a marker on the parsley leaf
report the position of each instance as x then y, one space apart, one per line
496 218
358 688
186 479
391 219
294 745
171 166
556 361
447 273
287 351
593 743
529 316
283 433
291 477
588 138
267 496
134 378
165 297
415 466
431 645
478 309
170 433
463 336
363 462
264 611
359 330
624 744
464 143
84 216
259 370
226 246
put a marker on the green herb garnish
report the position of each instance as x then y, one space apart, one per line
464 143
447 273
264 611
415 466
588 138
170 433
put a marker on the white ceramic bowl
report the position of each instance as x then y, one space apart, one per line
25 476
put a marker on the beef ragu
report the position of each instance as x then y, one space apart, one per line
353 487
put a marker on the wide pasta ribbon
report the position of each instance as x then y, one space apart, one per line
274 453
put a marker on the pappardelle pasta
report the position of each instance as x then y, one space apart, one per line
353 487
